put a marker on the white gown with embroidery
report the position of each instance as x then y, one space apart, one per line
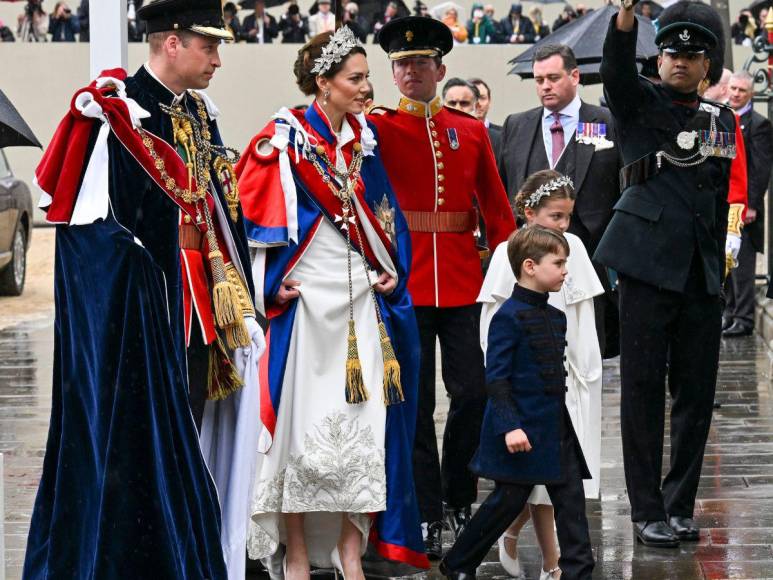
583 355
327 458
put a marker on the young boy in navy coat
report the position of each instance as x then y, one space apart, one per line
527 436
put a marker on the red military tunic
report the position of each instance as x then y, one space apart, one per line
438 160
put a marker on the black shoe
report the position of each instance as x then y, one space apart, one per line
455 575
727 322
657 534
684 528
433 544
738 329
457 518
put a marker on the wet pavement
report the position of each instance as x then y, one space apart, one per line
735 499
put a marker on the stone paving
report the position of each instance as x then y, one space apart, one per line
735 504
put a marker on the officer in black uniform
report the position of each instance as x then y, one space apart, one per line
667 242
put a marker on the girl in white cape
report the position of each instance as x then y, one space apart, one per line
547 199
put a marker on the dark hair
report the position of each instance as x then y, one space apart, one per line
534 243
476 81
457 82
312 50
533 183
566 54
371 93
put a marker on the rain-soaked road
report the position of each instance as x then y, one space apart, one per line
735 500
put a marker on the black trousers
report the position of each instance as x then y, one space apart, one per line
740 285
506 502
664 332
449 481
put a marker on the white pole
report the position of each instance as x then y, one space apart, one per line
108 36
2 519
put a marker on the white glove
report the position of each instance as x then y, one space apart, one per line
732 247
255 350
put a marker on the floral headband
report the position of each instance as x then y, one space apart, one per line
341 44
545 190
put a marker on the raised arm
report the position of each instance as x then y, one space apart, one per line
622 86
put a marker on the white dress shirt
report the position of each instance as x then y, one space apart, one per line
570 116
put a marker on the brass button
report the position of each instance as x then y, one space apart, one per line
438 154
434 133
436 144
440 165
441 177
441 201
187 218
432 123
440 189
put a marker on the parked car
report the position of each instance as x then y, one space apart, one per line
15 229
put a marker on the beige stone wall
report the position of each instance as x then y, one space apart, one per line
254 81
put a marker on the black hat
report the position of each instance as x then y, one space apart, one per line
688 27
201 16
415 36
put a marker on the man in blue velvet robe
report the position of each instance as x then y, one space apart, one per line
125 491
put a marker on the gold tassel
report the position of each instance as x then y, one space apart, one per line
355 386
225 296
223 377
393 389
236 335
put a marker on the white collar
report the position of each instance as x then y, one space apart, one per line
571 110
177 98
745 109
346 134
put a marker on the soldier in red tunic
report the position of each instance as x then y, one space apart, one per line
440 162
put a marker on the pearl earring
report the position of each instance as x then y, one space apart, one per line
326 94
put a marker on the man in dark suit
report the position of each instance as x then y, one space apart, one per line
758 138
578 140
259 27
517 28
481 112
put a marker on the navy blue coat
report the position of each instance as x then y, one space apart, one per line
526 383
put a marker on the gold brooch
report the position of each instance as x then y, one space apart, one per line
409 35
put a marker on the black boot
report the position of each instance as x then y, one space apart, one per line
684 528
457 518
738 329
455 575
433 543
657 534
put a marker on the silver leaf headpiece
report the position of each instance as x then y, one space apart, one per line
546 188
341 44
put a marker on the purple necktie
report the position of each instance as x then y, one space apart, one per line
557 135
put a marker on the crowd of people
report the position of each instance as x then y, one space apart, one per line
246 344
249 22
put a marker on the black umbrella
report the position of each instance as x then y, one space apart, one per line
585 36
758 5
14 132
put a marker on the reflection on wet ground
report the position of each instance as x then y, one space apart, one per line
735 500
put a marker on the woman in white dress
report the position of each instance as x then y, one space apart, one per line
547 199
331 265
